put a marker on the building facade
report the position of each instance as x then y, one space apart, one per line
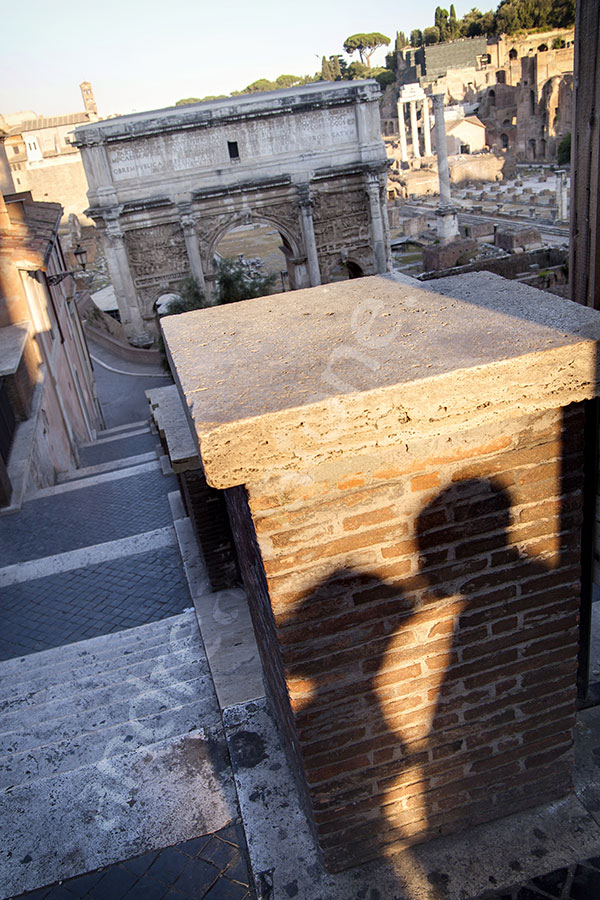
48 404
42 158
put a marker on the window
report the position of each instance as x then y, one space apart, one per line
234 153
16 149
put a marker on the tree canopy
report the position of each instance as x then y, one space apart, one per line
510 17
366 44
237 279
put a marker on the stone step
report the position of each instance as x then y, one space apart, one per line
94 675
109 438
120 737
116 429
69 724
103 653
167 684
104 645
124 805
110 466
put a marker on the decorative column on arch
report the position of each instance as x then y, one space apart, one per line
378 224
125 292
426 127
402 131
305 203
188 226
414 129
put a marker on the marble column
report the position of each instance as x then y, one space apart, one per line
402 132
426 127
447 218
308 233
378 229
561 196
125 292
188 226
414 130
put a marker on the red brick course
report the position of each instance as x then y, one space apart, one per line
418 623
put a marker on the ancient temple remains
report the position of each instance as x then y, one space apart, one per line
414 94
403 469
165 186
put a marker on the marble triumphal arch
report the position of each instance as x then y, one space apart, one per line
165 186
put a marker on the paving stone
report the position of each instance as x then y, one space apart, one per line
86 516
59 893
139 865
114 884
586 884
220 853
83 884
111 596
146 889
226 890
198 876
169 865
553 882
238 870
118 448
196 845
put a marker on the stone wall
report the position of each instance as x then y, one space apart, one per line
61 180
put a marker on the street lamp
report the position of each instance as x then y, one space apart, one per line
80 254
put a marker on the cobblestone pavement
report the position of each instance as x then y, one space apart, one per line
94 600
211 867
118 448
86 516
577 882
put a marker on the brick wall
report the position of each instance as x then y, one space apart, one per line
207 510
255 582
418 620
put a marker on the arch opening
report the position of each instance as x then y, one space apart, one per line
261 247
346 270
164 301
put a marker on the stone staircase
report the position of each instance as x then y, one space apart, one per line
103 745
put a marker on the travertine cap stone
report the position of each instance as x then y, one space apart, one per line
286 381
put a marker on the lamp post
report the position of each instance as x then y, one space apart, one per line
80 254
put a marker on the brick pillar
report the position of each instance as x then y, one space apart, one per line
407 510
208 512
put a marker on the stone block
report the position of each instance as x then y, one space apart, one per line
444 256
407 512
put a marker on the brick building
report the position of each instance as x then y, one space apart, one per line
43 159
47 394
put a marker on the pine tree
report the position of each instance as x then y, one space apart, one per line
326 70
335 68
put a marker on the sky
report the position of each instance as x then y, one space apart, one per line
147 54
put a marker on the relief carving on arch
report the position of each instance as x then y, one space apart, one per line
342 223
155 251
210 228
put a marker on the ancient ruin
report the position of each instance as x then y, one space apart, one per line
166 186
